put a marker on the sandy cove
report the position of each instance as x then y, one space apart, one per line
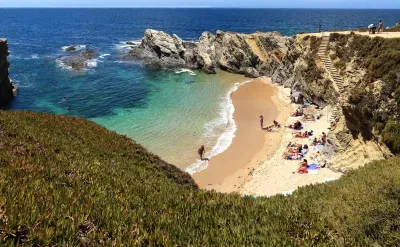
228 171
253 163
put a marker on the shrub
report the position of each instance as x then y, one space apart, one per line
391 135
68 182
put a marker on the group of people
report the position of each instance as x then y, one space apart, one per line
275 125
372 27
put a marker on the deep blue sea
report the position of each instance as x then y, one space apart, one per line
168 112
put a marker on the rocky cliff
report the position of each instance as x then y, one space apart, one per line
7 90
304 63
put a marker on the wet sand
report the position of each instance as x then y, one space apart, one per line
228 171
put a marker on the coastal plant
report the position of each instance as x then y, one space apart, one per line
66 181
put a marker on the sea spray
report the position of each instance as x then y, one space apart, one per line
226 138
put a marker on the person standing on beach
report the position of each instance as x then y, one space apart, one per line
262 122
201 152
380 28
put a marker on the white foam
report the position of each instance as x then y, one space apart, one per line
62 65
180 71
104 55
78 47
225 139
35 56
92 63
124 46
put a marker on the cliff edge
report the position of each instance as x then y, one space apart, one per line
7 89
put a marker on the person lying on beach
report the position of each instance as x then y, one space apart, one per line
297 125
297 156
304 134
303 167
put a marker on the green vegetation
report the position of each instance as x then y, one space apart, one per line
380 58
69 182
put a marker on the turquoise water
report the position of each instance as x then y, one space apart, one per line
182 112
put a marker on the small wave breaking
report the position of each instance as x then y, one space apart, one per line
180 71
77 47
225 139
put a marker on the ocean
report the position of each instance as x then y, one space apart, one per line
170 112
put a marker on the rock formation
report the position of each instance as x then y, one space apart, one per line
249 54
78 61
7 89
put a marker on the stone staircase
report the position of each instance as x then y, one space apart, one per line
337 80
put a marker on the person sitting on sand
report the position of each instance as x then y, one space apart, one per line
315 142
276 124
323 138
333 125
262 121
201 152
303 167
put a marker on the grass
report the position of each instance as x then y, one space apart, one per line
68 182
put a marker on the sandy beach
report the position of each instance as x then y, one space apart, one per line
277 175
228 171
253 164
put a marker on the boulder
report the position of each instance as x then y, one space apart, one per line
251 72
78 61
70 48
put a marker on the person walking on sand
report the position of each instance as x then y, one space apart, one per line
262 122
380 27
201 152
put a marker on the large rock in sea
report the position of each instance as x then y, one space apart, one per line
79 61
7 89
159 48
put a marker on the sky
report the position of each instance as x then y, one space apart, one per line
360 4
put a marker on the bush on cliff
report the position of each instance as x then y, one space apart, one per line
69 182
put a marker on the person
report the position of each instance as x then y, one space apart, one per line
323 138
69 108
380 27
315 142
303 167
370 26
262 121
201 152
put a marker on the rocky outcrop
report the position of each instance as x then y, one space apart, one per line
7 89
78 61
249 54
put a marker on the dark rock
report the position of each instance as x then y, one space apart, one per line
78 61
70 48
251 72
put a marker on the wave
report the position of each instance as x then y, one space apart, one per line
180 71
78 47
104 55
225 121
62 65
127 45
92 63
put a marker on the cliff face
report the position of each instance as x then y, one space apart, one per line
329 71
7 91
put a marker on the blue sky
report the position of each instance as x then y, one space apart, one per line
389 4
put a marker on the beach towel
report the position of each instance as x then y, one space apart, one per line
311 167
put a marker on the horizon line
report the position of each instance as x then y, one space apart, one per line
183 7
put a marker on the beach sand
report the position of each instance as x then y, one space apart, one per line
228 171
279 176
